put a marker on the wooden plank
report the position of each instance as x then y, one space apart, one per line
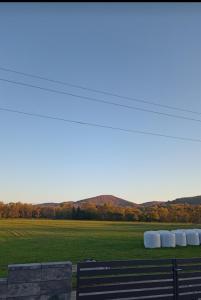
120 295
119 279
157 297
188 260
187 289
189 275
190 267
125 286
125 271
124 263
190 281
190 296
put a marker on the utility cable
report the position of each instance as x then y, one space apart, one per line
98 125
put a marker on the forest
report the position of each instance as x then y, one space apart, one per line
157 213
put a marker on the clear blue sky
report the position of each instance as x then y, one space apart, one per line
149 51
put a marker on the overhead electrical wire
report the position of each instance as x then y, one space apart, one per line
98 100
99 91
30 114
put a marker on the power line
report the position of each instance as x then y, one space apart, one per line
99 100
98 125
100 91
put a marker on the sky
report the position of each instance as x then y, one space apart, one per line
146 51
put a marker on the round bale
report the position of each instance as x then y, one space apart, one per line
152 239
167 239
180 237
199 233
192 237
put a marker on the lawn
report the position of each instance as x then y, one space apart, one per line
23 241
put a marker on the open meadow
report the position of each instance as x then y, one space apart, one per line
23 241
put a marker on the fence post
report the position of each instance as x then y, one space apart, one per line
77 281
175 278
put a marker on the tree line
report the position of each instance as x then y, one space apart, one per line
156 213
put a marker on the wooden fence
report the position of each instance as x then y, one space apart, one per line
165 279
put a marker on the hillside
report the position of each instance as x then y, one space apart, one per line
106 199
116 201
196 200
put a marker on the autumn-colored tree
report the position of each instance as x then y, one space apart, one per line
156 213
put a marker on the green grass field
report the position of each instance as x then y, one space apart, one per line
23 241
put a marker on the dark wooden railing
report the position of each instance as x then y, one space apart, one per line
165 279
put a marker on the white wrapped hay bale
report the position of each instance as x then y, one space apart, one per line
167 238
152 239
180 237
192 237
199 233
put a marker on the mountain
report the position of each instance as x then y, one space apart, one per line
115 201
196 200
106 199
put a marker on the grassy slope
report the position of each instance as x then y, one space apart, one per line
23 241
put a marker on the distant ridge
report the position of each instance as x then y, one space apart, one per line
116 201
196 200
106 199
